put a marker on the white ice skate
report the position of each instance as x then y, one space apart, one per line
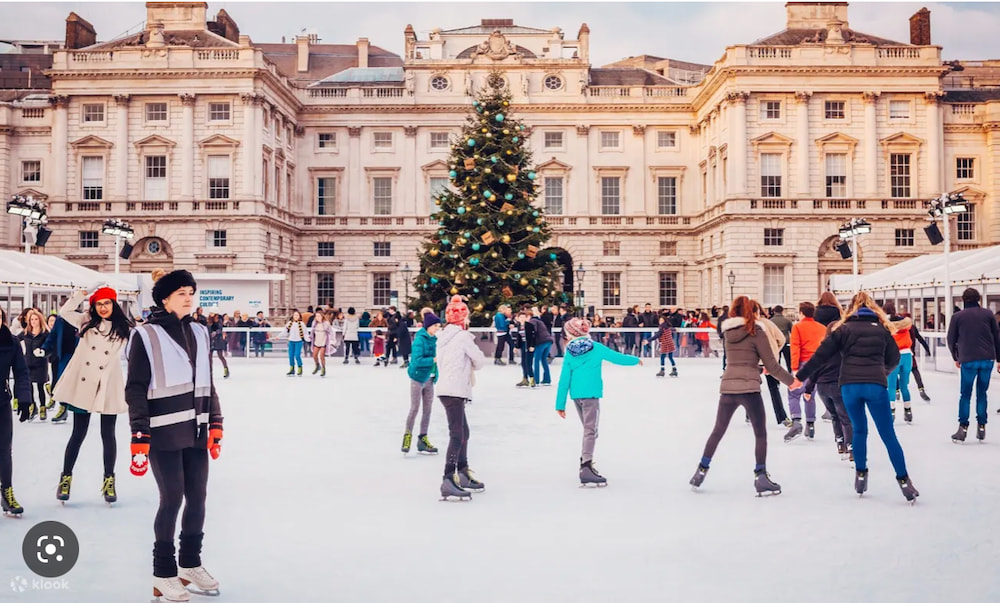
203 582
169 589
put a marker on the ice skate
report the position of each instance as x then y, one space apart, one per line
9 504
811 430
531 382
200 579
522 383
48 391
170 589
861 482
450 488
32 412
108 490
424 445
786 422
662 373
346 360
907 415
925 397
826 417
959 436
299 371
842 449
589 475
909 492
61 416
13 404
981 432
498 362
469 483
765 487
41 412
893 411
62 492
407 438
698 477
378 362
316 370
291 371
322 372
356 360
673 372
794 431
225 372
404 365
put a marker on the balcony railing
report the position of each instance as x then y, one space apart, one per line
639 93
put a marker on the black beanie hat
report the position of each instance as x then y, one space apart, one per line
170 282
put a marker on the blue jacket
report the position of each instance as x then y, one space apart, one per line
581 370
60 345
422 366
500 323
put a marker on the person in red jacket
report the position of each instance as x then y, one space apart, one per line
702 337
806 336
899 379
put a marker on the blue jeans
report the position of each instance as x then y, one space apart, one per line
876 398
900 377
542 358
978 371
664 357
295 353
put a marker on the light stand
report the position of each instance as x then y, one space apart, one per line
406 272
33 218
850 231
578 286
119 229
732 282
941 207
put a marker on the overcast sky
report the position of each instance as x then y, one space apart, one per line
697 32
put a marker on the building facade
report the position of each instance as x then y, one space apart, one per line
662 178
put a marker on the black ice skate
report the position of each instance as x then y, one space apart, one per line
959 436
826 417
926 398
108 490
981 432
673 372
861 482
909 492
699 476
765 487
450 487
62 415
62 492
469 483
316 370
589 475
794 431
424 445
907 415
811 430
662 373
291 371
9 504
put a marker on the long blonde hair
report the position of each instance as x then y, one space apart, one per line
43 326
863 299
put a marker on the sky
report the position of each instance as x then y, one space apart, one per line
697 32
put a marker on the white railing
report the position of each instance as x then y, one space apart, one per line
33 113
92 57
664 91
770 52
963 109
328 92
219 54
898 52
382 92
609 91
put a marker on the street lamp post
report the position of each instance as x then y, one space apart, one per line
578 286
732 282
850 231
941 207
406 272
33 217
119 230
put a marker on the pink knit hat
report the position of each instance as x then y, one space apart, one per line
457 312
577 327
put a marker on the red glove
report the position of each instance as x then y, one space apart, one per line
140 454
215 440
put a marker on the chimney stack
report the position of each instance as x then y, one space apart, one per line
302 46
79 32
920 28
363 53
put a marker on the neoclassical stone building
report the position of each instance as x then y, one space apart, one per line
660 177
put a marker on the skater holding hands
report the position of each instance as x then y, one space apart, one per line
422 371
176 424
581 378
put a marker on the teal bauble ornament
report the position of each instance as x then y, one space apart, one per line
531 175
474 261
467 234
445 242
508 196
499 222
494 159
534 281
475 289
479 221
433 281
499 117
461 210
535 229
552 257
471 142
520 255
514 139
517 276
487 194
475 247
440 232
475 103
489 278
534 214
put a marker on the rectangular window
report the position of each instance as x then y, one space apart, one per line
326 140
899 175
93 178
770 109
610 140
88 239
668 289
966 224
666 139
277 185
611 195
217 238
611 288
382 140
899 109
218 112
93 113
668 247
325 291
965 168
326 196
382 249
612 248
774 285
666 195
267 180
155 183
836 175
156 112
770 175
439 140
31 171
381 284
835 109
382 196
437 186
774 237
218 176
326 249
553 195
904 237
553 140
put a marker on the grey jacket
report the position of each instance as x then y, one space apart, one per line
744 353
782 322
351 328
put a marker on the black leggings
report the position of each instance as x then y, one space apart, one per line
181 476
916 375
222 357
779 406
81 422
458 434
40 392
829 393
352 347
754 405
6 438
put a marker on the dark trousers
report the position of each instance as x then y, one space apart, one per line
754 406
390 346
916 373
779 406
504 340
559 344
181 476
874 397
458 434
81 423
526 358
351 346
6 439
829 393
40 393
786 353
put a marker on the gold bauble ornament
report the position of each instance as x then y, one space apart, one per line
433 252
510 152
506 131
545 291
487 171
482 204
511 177
437 202
510 212
485 130
505 238
454 291
488 135
494 254
524 282
452 273
475 156
505 103
479 307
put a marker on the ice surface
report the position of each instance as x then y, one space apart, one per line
313 501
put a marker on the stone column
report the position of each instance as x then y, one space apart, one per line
408 178
738 133
802 141
870 145
60 148
121 148
588 205
354 172
187 147
935 153
251 142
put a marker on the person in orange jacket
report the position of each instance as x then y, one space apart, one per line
806 336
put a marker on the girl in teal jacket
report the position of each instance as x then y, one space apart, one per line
582 380
422 371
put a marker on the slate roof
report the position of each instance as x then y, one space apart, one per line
324 59
371 75
973 95
198 38
794 37
627 77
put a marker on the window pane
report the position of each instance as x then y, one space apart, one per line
965 168
668 288
325 290
93 113
382 140
382 249
324 249
31 171
553 140
380 289
774 285
218 111
89 240
218 176
327 140
609 140
93 178
666 140
156 112
666 194
553 195
836 175
966 224
774 236
770 175
611 288
899 109
437 186
439 140
899 175
904 237
382 196
610 195
156 178
326 196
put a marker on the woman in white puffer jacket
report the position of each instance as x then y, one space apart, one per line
457 358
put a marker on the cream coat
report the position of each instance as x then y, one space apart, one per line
93 380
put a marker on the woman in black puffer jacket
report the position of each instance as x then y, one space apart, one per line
828 311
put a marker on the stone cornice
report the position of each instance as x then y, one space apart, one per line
521 109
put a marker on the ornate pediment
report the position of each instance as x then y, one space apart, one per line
970 192
155 141
554 165
30 192
218 140
496 47
435 165
901 138
92 142
837 138
772 138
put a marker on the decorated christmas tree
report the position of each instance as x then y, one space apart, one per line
490 235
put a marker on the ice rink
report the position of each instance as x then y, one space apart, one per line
312 500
